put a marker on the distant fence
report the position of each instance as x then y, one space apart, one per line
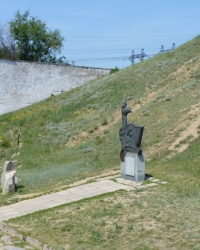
23 83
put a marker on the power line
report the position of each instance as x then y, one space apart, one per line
141 56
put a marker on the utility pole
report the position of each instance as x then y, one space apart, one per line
162 50
132 58
173 46
140 56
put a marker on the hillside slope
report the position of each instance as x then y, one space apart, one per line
75 134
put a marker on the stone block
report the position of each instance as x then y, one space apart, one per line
9 179
123 169
133 167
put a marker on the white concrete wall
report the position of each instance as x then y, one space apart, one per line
24 83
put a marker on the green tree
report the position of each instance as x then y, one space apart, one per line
7 44
34 41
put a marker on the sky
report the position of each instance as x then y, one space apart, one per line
103 33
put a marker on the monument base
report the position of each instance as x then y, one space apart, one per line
133 167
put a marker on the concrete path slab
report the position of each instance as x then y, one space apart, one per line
65 196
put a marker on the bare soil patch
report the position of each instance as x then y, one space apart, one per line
191 130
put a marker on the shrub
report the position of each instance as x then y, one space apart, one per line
106 131
87 150
168 98
145 113
104 122
198 93
129 98
160 96
116 69
5 142
197 75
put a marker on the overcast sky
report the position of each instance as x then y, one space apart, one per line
103 33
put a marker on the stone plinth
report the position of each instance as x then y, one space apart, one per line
133 167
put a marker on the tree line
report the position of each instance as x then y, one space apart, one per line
28 38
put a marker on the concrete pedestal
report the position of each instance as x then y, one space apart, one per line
133 167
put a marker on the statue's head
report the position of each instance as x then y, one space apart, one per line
124 105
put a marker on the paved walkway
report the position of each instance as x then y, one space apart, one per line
98 187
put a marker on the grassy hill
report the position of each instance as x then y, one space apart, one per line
75 135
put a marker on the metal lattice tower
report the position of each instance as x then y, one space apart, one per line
140 56
162 50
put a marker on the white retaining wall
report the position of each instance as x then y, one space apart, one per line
24 83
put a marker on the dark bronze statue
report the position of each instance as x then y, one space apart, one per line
129 134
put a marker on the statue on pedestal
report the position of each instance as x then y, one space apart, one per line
129 134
